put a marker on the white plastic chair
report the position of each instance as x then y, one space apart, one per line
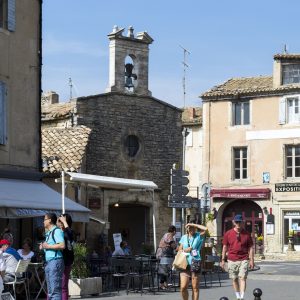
21 270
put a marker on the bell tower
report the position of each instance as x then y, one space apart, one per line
129 62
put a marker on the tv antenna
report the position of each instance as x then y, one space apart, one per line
185 65
71 87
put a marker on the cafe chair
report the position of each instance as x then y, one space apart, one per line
20 277
211 266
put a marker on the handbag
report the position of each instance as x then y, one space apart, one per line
180 261
196 265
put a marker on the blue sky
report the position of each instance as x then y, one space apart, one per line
226 38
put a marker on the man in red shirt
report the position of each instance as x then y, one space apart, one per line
238 245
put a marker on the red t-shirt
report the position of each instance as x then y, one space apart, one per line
238 245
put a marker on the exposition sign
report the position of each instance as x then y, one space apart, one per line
287 187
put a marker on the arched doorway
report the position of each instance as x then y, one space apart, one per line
251 212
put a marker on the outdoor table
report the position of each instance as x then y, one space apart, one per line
42 282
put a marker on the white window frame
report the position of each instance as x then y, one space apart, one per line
233 110
240 168
293 156
285 114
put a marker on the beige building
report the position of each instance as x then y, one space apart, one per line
251 156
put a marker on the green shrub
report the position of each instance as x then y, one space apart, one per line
80 268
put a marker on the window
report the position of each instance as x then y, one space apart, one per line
7 14
132 145
240 113
2 113
291 73
292 161
240 163
289 110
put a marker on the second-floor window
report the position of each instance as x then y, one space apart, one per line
291 73
240 113
240 163
289 110
292 160
8 14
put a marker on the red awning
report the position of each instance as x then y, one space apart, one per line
241 193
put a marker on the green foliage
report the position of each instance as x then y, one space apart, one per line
209 217
260 238
79 268
292 233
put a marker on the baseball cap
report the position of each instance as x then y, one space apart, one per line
238 218
4 242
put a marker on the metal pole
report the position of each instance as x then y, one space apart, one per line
63 191
154 223
184 135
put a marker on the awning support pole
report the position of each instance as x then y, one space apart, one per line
63 191
154 223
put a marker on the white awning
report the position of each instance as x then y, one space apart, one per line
27 199
109 182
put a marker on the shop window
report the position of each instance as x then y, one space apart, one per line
292 161
240 163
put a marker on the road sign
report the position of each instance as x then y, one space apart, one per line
180 190
182 202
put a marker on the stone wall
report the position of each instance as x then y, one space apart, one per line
112 117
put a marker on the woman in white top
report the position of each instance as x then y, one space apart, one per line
25 252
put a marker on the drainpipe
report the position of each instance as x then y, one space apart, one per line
39 153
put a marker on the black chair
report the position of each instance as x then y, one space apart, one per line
140 268
212 266
119 270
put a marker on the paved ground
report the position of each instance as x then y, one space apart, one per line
277 280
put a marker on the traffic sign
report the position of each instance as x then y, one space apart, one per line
182 202
180 190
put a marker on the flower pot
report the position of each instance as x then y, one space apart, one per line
291 243
85 286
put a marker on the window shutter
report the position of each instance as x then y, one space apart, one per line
11 15
282 111
2 113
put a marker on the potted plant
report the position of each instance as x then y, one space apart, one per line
259 240
80 283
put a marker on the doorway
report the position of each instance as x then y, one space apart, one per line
132 221
251 212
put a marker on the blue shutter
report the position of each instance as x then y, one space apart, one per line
11 15
2 113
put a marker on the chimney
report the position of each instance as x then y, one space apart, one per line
49 97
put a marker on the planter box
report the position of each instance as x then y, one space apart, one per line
85 286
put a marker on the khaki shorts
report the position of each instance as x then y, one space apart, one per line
238 269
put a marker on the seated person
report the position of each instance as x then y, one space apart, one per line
2 271
11 258
26 251
120 251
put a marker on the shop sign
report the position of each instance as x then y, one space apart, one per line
292 213
287 187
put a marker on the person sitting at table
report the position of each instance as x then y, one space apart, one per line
120 251
26 251
2 271
11 258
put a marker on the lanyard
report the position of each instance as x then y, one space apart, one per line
188 240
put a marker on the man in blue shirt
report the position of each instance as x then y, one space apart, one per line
53 246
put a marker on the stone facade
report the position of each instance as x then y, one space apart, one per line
132 135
